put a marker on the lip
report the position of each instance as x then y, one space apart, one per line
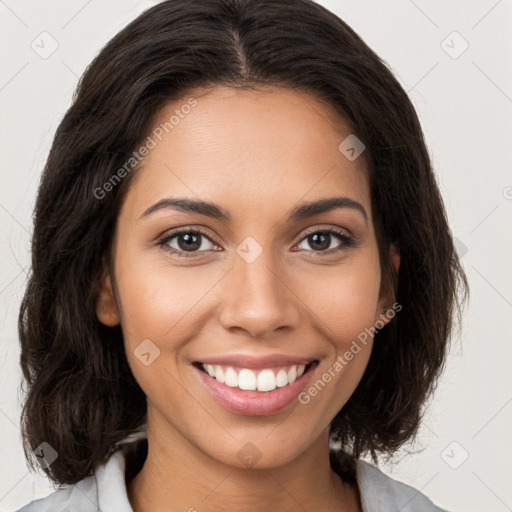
255 403
257 362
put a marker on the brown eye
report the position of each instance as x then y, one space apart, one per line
191 241
321 241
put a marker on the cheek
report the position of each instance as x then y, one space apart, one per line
165 305
333 384
346 298
347 319
156 309
156 300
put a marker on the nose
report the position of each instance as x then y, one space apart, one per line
258 298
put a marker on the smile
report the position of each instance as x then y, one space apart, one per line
255 387
247 379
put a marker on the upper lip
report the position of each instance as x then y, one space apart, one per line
248 361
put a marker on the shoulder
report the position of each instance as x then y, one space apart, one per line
82 496
381 493
105 490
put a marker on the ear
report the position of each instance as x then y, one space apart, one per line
106 306
388 299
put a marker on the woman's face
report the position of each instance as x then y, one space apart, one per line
265 293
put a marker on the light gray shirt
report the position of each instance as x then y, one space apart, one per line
105 491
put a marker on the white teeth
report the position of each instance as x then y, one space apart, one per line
266 380
247 380
281 378
251 380
231 378
219 373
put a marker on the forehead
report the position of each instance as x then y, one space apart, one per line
249 150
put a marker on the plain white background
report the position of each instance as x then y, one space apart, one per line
464 100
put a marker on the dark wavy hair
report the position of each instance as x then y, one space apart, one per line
81 396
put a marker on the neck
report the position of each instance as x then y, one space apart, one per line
177 476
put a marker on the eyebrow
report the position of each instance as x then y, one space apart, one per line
300 212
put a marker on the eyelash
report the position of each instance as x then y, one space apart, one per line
347 241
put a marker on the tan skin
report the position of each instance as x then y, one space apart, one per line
257 154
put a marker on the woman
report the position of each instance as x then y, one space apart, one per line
243 278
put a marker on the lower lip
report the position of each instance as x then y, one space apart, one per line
255 403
